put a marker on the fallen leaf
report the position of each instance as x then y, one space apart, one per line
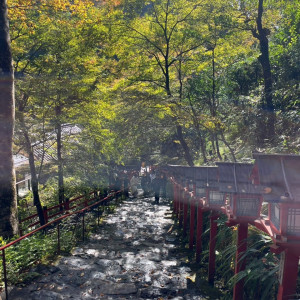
171 229
192 278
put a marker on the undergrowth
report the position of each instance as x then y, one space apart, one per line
262 266
42 247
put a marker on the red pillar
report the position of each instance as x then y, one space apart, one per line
240 264
185 210
288 275
45 212
175 199
199 232
67 204
212 246
192 223
180 205
192 217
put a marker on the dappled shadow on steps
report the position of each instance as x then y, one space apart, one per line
132 256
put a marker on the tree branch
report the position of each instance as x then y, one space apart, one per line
147 39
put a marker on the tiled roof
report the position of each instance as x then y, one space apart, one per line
46 150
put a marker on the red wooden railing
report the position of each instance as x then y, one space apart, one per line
64 214
58 209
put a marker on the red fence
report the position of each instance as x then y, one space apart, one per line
59 209
64 214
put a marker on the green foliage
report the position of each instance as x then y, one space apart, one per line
25 206
285 57
226 247
42 247
262 266
113 67
129 72
261 273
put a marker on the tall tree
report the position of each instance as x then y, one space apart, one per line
57 63
8 202
20 116
164 38
261 33
255 23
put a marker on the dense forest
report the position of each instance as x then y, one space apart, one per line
87 86
180 82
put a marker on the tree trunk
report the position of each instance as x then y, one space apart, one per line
34 178
61 192
43 153
217 146
185 147
202 146
214 104
197 127
228 146
212 140
8 199
35 188
261 34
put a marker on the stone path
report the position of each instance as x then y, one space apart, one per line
130 257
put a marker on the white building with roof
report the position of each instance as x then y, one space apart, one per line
44 151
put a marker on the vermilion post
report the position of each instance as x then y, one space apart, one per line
192 223
240 264
180 205
289 273
176 200
45 212
185 210
67 204
199 232
86 202
212 246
